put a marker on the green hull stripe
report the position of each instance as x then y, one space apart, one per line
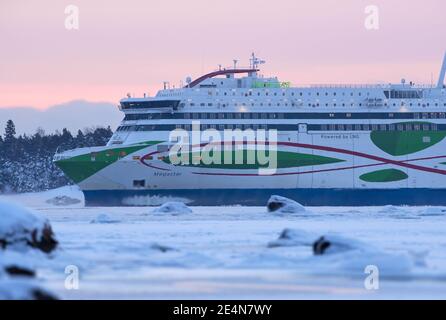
400 143
81 167
387 175
284 160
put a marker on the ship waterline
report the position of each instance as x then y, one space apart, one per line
333 145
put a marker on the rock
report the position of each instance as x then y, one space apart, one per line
104 218
320 245
15 270
22 227
174 208
284 205
62 201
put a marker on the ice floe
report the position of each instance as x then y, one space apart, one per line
104 218
63 201
172 208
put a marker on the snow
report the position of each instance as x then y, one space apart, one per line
237 252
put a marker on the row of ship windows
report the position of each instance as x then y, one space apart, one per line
285 104
392 94
275 115
309 127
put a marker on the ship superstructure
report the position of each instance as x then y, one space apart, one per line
336 144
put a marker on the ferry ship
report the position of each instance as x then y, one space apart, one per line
337 145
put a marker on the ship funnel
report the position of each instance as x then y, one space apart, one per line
442 73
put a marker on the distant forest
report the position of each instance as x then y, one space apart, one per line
26 160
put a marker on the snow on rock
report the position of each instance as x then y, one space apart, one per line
334 254
161 248
63 201
20 289
104 218
22 227
292 237
173 208
333 243
284 205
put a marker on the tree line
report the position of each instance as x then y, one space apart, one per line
26 160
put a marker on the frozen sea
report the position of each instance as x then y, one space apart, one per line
223 252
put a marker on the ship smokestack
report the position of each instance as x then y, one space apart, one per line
442 73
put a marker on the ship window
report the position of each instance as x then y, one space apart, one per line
139 183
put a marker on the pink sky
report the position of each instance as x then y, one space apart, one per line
135 45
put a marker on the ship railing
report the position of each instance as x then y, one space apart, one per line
368 86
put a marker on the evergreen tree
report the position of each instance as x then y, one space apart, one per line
10 130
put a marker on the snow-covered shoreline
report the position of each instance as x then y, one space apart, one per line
223 252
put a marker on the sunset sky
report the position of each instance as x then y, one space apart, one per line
135 45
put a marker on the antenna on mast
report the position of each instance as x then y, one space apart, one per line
440 83
254 61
